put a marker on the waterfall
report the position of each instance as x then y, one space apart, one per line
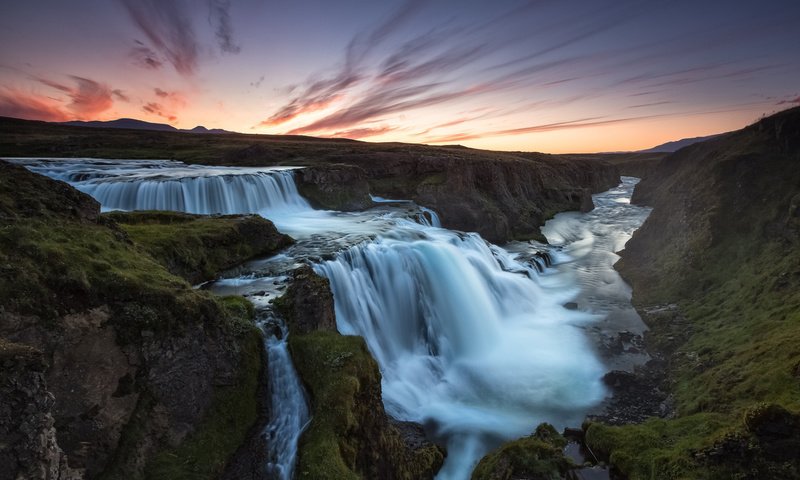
167 185
289 413
468 342
472 342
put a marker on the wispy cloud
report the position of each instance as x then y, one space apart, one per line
88 98
220 18
365 132
168 28
321 93
159 110
145 57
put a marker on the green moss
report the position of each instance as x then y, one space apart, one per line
540 456
199 247
721 246
335 368
204 454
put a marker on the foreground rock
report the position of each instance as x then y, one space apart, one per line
112 366
350 435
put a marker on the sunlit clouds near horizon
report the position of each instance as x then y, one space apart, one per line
553 76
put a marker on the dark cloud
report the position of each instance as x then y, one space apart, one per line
644 105
88 98
220 18
145 57
258 82
168 29
160 93
120 95
158 109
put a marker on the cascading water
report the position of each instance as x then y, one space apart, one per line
288 409
168 185
477 353
472 342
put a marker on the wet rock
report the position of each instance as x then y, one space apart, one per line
308 302
571 306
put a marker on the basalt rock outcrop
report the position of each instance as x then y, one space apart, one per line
500 195
112 366
350 435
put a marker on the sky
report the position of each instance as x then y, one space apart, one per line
542 75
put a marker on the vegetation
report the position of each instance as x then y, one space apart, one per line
59 256
198 247
723 244
539 456
224 428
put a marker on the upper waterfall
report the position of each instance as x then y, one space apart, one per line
169 185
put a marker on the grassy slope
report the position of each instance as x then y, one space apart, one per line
198 247
723 243
57 256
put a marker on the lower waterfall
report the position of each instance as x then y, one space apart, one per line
469 343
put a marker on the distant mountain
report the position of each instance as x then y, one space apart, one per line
135 124
670 147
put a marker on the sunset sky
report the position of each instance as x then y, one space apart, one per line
553 76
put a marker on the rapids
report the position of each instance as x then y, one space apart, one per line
473 340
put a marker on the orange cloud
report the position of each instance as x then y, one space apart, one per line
30 107
299 107
357 133
88 97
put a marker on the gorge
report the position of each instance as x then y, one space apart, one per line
417 348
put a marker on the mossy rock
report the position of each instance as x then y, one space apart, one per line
537 457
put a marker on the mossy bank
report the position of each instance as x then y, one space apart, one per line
132 372
715 271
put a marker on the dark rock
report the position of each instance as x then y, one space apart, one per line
308 302
571 306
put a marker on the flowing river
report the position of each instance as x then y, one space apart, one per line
476 342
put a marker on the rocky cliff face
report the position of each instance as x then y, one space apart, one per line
125 363
715 272
500 195
350 435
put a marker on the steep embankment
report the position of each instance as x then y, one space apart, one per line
715 272
112 366
501 195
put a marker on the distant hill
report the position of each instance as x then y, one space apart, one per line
135 124
676 145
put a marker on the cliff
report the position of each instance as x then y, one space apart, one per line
112 366
715 272
501 195
350 435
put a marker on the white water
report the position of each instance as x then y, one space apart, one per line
288 409
168 185
472 343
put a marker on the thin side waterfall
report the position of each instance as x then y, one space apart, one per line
289 413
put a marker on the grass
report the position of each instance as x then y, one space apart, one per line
59 256
198 247
540 455
723 244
